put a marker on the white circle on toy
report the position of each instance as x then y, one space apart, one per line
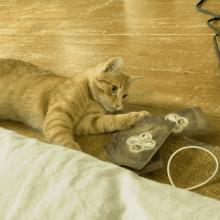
145 136
142 142
132 140
181 122
172 117
149 144
136 148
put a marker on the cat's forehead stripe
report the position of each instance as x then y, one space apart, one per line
102 80
121 83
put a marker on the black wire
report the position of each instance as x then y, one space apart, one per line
216 17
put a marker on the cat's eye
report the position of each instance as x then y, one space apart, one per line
124 96
114 88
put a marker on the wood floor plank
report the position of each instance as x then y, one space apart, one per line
104 17
174 76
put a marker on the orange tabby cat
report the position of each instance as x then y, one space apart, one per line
60 106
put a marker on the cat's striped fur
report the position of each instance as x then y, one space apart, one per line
61 106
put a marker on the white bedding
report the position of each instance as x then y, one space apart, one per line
42 181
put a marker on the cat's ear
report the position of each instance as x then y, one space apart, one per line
134 79
113 65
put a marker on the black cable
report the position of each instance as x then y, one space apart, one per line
216 17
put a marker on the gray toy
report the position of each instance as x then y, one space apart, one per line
134 148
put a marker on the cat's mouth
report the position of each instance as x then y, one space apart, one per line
113 109
110 109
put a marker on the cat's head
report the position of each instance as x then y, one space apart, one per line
111 85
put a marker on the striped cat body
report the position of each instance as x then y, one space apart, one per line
60 106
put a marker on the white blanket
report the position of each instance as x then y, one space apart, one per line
42 181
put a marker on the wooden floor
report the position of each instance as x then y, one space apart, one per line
166 41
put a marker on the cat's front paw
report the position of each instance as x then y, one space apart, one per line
133 118
139 116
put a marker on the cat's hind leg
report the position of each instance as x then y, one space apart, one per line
59 130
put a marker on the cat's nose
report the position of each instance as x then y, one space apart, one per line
118 104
